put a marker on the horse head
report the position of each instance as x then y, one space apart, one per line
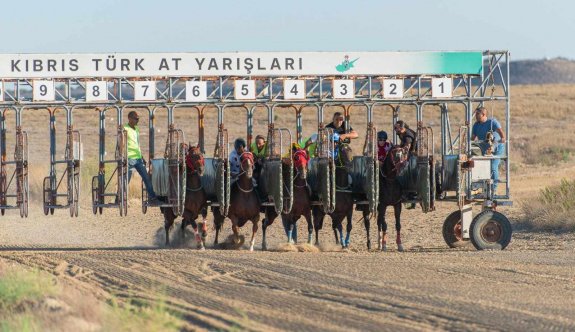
344 156
300 160
394 162
247 164
195 160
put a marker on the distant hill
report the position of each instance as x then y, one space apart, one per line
558 70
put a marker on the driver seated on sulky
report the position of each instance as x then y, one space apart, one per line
492 140
338 127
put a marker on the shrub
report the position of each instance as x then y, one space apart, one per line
554 210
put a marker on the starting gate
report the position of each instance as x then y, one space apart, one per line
73 83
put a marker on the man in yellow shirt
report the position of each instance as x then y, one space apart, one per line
135 159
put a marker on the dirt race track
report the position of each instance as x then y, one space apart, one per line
531 285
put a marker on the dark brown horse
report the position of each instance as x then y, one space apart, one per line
244 202
343 198
390 194
301 196
196 199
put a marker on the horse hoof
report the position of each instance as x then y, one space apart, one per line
400 247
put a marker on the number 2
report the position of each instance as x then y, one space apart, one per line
393 87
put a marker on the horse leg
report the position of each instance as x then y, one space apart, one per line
366 220
236 230
317 222
204 231
397 213
168 223
338 227
382 228
307 217
254 231
218 222
348 227
199 241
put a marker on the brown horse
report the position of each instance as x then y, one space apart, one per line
244 202
301 204
196 199
390 194
343 198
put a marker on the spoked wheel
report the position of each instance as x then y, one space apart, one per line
95 194
25 198
76 193
490 230
71 192
47 196
144 199
453 231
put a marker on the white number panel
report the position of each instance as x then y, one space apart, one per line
245 90
392 89
97 91
145 90
1 91
196 91
343 89
441 87
294 89
43 90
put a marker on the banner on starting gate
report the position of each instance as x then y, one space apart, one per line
14 66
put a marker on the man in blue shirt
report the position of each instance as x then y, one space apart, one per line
480 129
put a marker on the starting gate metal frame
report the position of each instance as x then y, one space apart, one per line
470 90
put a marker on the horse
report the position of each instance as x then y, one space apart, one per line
244 202
302 201
196 199
343 198
390 194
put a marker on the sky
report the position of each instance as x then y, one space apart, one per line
529 29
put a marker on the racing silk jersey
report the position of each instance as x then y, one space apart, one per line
258 154
382 151
235 165
133 135
311 148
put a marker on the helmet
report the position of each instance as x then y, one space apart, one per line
313 138
382 135
335 137
239 142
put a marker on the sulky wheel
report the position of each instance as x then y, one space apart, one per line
490 230
144 199
95 194
452 230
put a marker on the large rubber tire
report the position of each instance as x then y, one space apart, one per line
452 231
490 230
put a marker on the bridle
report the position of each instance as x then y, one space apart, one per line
249 156
194 152
397 166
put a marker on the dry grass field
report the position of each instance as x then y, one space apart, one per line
527 286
